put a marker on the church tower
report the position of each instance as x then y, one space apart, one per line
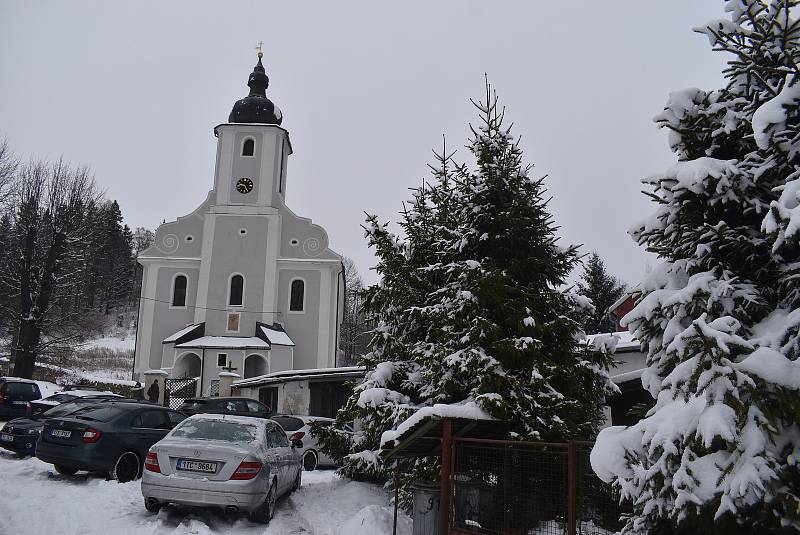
242 282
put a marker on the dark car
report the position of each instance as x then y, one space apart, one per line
226 405
20 435
112 437
45 404
14 396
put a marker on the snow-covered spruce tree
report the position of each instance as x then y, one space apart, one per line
719 316
390 392
603 289
471 308
501 331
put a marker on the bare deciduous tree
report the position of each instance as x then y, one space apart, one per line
354 337
50 235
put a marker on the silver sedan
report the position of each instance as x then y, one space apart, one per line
238 463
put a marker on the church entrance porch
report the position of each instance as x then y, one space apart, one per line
187 366
255 365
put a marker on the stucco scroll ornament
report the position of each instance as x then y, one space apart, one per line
169 243
312 247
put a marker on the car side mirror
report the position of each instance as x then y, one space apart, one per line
297 443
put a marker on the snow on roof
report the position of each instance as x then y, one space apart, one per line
248 420
85 393
276 337
468 411
296 375
186 330
624 341
227 342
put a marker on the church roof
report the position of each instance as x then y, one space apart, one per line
256 107
276 336
225 342
193 331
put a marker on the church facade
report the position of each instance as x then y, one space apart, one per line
242 283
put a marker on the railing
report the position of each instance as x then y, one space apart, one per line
510 487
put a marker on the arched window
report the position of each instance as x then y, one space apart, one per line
179 291
249 147
297 296
236 291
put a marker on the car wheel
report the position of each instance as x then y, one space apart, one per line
152 505
65 470
264 513
126 468
309 461
298 480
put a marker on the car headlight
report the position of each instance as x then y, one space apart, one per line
32 431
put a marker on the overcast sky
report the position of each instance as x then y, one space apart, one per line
134 89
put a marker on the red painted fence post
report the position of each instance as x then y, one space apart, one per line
445 484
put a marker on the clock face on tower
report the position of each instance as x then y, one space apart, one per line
244 185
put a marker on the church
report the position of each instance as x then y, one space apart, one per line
242 283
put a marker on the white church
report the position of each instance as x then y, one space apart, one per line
241 283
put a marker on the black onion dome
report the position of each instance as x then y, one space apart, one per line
256 107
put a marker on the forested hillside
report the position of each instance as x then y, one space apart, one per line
68 268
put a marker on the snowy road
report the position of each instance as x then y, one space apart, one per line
35 500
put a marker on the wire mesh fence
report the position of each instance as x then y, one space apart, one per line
508 487
179 390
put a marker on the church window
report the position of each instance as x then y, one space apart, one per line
179 291
236 291
249 147
297 296
222 360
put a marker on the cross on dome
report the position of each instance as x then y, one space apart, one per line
256 107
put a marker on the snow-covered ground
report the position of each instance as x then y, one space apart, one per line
113 342
36 500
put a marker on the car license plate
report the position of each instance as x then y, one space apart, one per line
5 437
196 466
61 433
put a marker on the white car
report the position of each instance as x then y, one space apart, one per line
237 463
299 428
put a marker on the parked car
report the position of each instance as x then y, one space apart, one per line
112 437
226 405
44 404
15 394
238 463
299 428
21 434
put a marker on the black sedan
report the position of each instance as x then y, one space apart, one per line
225 405
111 438
21 434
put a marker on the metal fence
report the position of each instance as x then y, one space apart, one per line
508 487
179 390
213 388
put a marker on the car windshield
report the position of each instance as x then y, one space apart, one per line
60 397
20 389
288 423
225 431
98 414
63 409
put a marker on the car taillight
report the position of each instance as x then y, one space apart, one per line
247 470
151 462
297 436
28 408
91 435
